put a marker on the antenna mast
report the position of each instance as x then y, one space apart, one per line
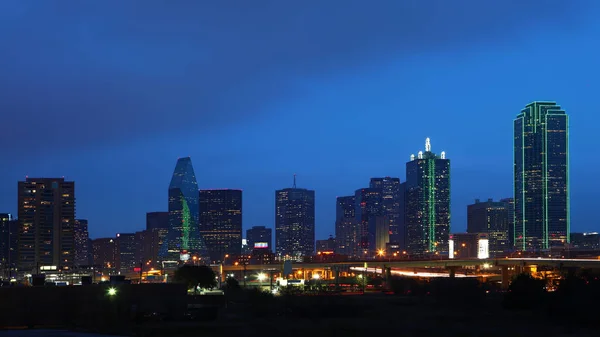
294 180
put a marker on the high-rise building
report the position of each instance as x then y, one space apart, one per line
325 246
221 222
8 241
295 222
347 236
427 202
258 236
157 220
510 202
46 215
585 241
490 217
104 254
541 177
82 248
391 202
369 208
126 246
184 239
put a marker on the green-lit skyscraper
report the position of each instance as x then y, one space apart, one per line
541 177
427 202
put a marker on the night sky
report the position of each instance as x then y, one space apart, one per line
110 93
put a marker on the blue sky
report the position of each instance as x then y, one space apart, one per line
109 94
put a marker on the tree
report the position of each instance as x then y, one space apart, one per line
525 292
232 283
196 276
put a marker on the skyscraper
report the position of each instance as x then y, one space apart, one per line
221 222
490 217
541 177
104 254
82 238
259 235
157 220
126 257
183 238
46 217
427 202
369 208
347 236
510 204
5 243
391 202
295 222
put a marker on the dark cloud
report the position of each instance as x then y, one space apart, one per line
75 73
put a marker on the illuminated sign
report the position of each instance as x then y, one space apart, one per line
184 256
451 249
484 249
261 245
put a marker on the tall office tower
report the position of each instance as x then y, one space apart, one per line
490 217
325 246
391 200
184 239
368 209
46 211
541 177
104 254
295 222
157 220
5 241
257 236
82 248
510 204
347 236
221 222
427 202
126 253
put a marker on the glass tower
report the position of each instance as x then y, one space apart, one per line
183 238
221 222
347 237
427 202
295 222
391 203
541 177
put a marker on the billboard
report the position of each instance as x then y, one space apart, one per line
261 245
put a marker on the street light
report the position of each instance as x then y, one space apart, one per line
261 277
316 276
112 291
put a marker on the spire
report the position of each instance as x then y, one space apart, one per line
294 180
427 145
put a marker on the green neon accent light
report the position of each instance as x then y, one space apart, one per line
185 219
431 202
545 234
568 183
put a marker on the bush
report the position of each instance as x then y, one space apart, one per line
525 292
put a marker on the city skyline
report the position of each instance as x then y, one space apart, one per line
361 103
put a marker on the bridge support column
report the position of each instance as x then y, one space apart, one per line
505 278
452 271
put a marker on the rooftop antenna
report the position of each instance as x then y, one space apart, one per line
294 180
427 145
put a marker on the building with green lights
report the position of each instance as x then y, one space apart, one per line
427 203
541 177
183 241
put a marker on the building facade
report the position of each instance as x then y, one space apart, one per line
427 202
490 217
104 252
221 222
391 203
294 222
157 220
369 209
541 177
8 244
347 236
126 254
82 247
183 239
585 241
46 212
258 236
